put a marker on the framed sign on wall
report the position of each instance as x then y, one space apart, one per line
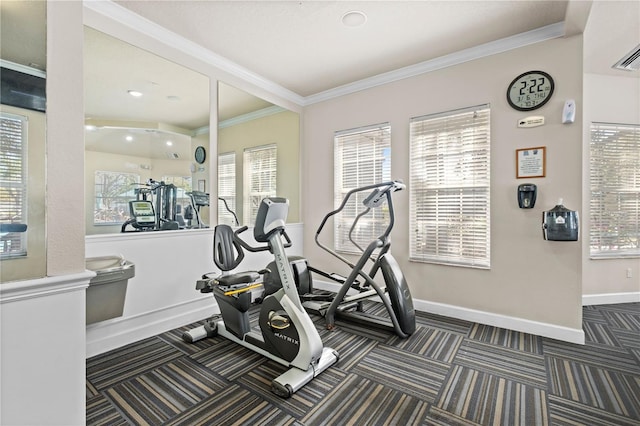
531 162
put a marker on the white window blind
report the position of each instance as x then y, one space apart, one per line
13 182
227 187
113 191
260 172
362 157
450 188
615 190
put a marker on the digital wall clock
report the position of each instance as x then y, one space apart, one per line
201 154
530 90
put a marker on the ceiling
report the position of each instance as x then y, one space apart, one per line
303 46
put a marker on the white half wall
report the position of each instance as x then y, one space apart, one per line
162 296
42 367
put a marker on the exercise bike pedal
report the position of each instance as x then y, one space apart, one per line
205 285
209 329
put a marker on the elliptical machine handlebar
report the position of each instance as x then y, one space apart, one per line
226 206
246 246
380 190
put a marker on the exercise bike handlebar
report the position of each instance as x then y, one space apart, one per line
246 246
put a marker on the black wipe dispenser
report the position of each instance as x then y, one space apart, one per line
560 224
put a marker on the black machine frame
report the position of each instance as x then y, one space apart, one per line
395 296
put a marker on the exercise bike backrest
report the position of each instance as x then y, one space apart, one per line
227 251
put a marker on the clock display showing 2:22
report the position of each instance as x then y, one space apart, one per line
530 90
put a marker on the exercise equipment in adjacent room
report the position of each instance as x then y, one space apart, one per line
287 334
164 212
198 200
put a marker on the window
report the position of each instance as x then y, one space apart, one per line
260 169
615 190
362 157
113 191
227 188
13 182
449 188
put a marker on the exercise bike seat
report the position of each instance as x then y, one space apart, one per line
239 278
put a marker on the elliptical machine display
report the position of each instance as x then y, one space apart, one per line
142 214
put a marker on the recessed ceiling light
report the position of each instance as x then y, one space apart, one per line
90 127
354 18
169 143
134 93
128 138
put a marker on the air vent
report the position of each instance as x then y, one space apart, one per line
173 155
631 61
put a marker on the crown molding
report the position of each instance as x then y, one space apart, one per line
498 46
264 112
122 15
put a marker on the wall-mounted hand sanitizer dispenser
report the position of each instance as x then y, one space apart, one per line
560 224
527 195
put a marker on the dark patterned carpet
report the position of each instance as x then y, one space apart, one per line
449 372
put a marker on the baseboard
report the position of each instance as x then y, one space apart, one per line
488 318
566 334
610 298
114 333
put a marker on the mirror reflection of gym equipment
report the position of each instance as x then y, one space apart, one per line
155 208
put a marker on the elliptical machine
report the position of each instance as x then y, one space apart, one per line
395 295
287 333
198 199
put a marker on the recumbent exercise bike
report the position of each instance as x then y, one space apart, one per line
287 333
